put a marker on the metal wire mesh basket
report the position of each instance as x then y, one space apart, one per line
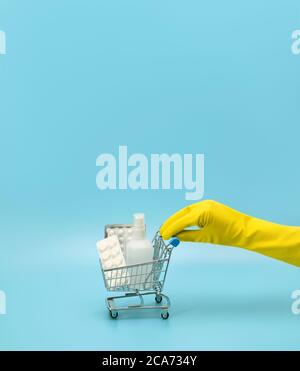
139 279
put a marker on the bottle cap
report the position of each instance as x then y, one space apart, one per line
139 220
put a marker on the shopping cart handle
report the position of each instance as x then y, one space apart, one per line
174 242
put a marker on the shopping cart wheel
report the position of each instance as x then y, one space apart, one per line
158 298
165 315
113 315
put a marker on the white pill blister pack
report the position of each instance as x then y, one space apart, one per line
111 256
123 233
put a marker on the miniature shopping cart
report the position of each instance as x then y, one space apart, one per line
139 280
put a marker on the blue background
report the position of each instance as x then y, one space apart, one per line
81 78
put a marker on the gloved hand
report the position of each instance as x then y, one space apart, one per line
219 224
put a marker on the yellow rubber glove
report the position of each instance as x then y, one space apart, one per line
220 224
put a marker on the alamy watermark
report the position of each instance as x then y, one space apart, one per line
296 42
157 171
296 302
2 302
2 42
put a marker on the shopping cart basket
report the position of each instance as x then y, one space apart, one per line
139 280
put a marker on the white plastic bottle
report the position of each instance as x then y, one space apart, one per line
139 250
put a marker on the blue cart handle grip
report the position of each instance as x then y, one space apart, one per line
174 242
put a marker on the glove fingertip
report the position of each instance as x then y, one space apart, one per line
165 235
164 228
